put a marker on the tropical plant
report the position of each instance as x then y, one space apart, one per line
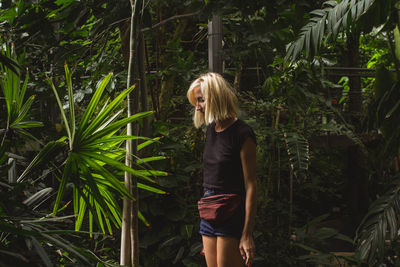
17 120
92 156
29 236
381 223
298 151
333 18
9 63
315 240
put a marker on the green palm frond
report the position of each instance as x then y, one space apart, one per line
328 21
299 153
14 91
94 161
381 223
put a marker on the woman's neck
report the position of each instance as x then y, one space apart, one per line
221 126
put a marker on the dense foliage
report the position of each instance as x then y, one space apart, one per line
328 137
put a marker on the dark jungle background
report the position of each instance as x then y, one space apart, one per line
317 80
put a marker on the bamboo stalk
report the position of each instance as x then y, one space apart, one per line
129 255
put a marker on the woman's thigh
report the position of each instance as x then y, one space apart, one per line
210 250
228 254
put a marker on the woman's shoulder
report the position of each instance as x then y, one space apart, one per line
244 131
243 126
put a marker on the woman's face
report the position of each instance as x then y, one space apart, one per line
200 100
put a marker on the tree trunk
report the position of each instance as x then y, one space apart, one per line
357 179
215 45
355 96
129 234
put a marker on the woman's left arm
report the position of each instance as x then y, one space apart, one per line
248 159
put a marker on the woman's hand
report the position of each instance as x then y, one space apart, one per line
247 249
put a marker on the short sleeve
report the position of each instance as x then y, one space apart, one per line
244 133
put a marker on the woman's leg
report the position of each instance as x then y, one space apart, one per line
210 250
228 254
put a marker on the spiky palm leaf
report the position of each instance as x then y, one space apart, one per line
331 19
380 223
14 94
93 163
27 239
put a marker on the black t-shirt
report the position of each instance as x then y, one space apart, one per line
221 159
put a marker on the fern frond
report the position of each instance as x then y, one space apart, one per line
299 153
380 223
333 18
342 129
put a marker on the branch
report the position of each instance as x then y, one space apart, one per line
168 20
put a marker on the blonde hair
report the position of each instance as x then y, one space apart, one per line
220 99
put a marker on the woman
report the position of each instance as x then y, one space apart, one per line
229 164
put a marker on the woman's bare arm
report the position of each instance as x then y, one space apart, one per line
248 159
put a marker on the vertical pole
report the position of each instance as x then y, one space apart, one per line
355 94
215 44
129 255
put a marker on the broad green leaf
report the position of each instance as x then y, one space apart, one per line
149 159
113 139
89 158
91 185
317 12
47 149
67 173
110 120
109 228
81 213
116 126
106 112
113 206
118 165
93 104
91 215
143 219
149 142
307 43
396 34
24 110
315 36
330 4
23 91
360 8
75 200
299 46
353 10
27 124
150 188
99 217
62 112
